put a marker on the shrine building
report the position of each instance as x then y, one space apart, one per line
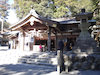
34 30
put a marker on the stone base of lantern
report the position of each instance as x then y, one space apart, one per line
85 43
82 61
85 54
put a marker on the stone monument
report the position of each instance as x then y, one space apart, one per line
84 55
84 42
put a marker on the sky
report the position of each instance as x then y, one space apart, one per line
11 1
12 18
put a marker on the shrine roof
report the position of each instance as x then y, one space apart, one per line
71 21
35 17
68 20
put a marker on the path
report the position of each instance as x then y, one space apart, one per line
9 66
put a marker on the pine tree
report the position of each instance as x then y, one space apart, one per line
52 8
4 6
42 7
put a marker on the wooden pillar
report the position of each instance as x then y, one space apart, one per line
23 35
22 40
56 40
29 42
49 39
34 42
14 44
11 44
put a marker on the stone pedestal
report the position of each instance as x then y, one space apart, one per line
60 60
82 61
84 42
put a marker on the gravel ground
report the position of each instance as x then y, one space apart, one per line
9 65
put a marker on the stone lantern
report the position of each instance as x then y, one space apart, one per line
84 42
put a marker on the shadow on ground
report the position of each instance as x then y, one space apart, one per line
86 72
25 69
3 49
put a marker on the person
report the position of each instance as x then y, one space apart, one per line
61 45
9 46
68 46
40 47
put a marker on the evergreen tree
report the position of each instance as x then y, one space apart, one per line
96 6
52 8
42 7
73 6
4 6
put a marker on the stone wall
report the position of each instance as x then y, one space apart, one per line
82 61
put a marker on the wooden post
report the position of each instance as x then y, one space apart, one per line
34 42
29 43
14 44
23 40
20 40
49 39
56 40
11 43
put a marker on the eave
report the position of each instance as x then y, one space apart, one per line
38 18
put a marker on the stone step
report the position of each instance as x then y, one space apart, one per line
23 60
39 58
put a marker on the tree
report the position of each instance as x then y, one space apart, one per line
53 8
4 6
96 6
74 6
43 7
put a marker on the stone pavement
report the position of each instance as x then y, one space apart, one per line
9 65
